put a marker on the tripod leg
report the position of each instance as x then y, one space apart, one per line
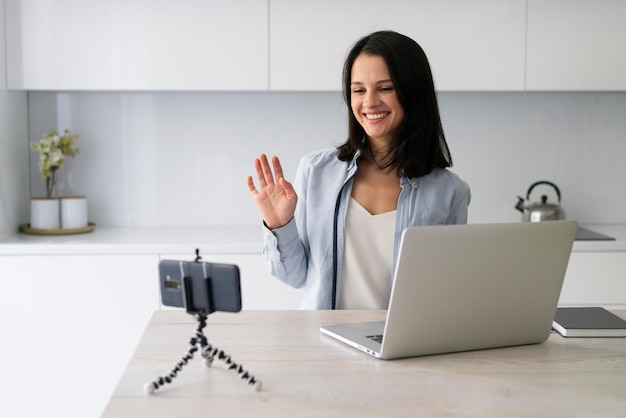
150 387
198 339
209 352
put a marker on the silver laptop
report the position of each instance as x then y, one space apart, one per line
468 287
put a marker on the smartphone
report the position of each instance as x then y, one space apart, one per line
200 287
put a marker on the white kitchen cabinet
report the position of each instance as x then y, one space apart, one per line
69 325
137 45
576 45
477 45
3 56
595 279
259 289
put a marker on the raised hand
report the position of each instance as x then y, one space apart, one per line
276 199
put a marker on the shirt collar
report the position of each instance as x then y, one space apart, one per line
352 165
404 180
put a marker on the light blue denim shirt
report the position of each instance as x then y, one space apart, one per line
302 252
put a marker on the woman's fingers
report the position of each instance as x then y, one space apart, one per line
278 169
264 171
268 177
290 193
275 198
251 187
259 173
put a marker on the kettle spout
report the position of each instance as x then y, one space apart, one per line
520 204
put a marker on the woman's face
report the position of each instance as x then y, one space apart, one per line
374 101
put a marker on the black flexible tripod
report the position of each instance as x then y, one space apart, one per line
208 353
199 341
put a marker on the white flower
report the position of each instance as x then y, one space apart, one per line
52 151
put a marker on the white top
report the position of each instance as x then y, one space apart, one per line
368 259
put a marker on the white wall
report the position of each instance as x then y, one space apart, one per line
182 158
13 152
503 142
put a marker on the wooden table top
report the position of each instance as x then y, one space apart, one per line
305 373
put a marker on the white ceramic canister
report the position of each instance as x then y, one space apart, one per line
74 212
44 213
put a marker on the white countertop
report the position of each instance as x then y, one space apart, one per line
209 239
311 372
140 240
617 231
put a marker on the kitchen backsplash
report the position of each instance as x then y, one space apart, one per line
180 159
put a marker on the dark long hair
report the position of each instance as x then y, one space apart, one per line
420 145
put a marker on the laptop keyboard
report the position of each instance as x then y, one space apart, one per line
378 338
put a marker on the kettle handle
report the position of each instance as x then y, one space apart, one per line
532 186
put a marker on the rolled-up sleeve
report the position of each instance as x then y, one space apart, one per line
284 254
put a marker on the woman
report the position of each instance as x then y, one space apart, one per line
335 231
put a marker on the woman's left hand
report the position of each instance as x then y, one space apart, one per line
276 199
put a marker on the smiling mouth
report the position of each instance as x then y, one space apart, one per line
375 116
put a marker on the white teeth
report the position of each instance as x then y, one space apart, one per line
375 116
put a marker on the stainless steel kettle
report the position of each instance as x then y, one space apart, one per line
540 211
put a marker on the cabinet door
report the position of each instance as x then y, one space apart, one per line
576 45
69 326
259 289
3 66
477 45
595 279
137 45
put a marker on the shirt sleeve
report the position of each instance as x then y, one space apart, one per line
460 204
283 249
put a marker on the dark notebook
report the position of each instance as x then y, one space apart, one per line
588 322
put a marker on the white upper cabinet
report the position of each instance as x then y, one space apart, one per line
300 45
137 45
3 78
576 45
471 45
